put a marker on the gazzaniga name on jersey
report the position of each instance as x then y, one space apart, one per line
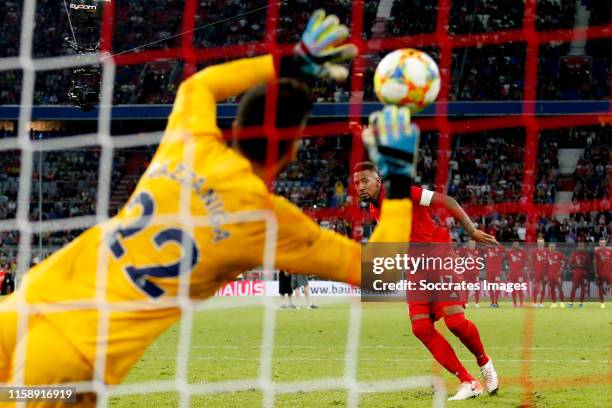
211 199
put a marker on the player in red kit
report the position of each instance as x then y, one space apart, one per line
517 261
3 271
556 263
603 268
472 273
368 184
539 263
493 264
579 261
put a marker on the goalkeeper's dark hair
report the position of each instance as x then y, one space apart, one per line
293 105
366 166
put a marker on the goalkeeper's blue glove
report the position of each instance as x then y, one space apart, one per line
392 142
320 50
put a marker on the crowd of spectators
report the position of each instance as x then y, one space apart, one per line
547 168
494 72
484 169
481 16
487 168
587 227
594 167
318 178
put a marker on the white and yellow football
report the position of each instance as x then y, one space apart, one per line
407 77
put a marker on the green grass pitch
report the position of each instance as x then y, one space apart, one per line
569 358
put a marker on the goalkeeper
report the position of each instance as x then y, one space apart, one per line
148 245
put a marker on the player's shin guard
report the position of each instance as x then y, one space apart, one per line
467 332
441 350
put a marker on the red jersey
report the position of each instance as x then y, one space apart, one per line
423 227
517 260
580 262
493 259
2 275
539 261
471 273
556 260
603 262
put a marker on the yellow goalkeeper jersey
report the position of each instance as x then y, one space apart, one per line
184 217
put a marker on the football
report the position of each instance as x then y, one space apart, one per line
407 77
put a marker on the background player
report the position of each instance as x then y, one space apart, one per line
298 283
493 263
602 263
517 261
579 261
368 183
539 262
145 245
472 273
554 271
284 290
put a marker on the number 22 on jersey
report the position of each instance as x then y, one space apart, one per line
139 274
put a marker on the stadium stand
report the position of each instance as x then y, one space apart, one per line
498 70
573 164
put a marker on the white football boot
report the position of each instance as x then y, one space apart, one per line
467 390
490 377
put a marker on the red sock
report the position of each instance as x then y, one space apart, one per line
477 295
467 332
534 292
601 293
441 350
582 290
514 296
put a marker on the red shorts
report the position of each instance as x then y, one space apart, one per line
578 278
471 277
493 276
539 277
517 278
433 309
